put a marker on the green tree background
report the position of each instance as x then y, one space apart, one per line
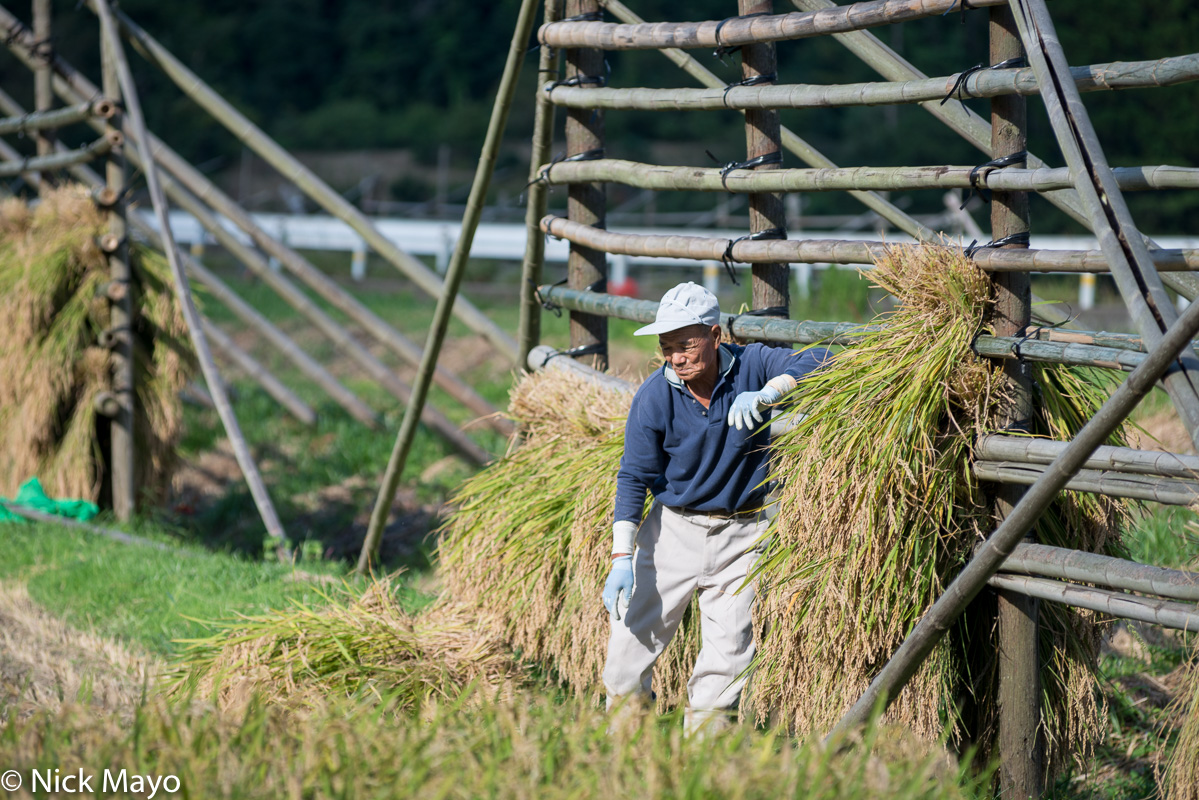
416 74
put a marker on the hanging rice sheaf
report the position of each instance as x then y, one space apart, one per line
877 510
531 536
1181 778
52 276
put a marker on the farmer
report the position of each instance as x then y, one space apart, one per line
695 438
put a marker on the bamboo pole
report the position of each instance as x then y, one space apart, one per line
1021 748
793 143
742 31
1168 491
529 328
586 267
252 369
212 377
61 160
1116 573
1028 450
108 533
297 299
883 179
281 341
254 138
58 118
453 278
845 333
963 121
75 88
835 251
1180 616
985 83
999 545
122 359
1131 264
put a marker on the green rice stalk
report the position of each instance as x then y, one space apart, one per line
363 646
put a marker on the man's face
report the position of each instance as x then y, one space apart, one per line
692 351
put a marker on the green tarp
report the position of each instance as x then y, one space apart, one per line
32 495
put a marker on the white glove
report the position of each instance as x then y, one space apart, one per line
748 406
619 587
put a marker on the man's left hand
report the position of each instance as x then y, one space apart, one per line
747 407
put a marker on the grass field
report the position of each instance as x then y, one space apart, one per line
324 481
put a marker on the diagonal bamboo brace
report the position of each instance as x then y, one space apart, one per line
1131 263
991 555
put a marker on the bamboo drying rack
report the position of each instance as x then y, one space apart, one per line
1086 188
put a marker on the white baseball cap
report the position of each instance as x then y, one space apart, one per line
686 304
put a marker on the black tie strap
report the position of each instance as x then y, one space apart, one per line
1014 238
959 86
756 80
590 16
767 158
583 350
963 8
723 50
761 236
579 80
587 155
548 305
980 172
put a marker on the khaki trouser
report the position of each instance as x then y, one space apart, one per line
677 554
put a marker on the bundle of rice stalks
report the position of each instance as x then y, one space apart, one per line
51 276
365 647
531 535
1182 768
878 510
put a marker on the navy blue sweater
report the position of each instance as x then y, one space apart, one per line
689 456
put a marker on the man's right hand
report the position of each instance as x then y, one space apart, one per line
619 587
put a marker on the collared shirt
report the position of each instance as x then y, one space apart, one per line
689 456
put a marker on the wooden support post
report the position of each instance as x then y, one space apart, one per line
771 284
529 335
1020 746
586 268
43 87
122 461
182 290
